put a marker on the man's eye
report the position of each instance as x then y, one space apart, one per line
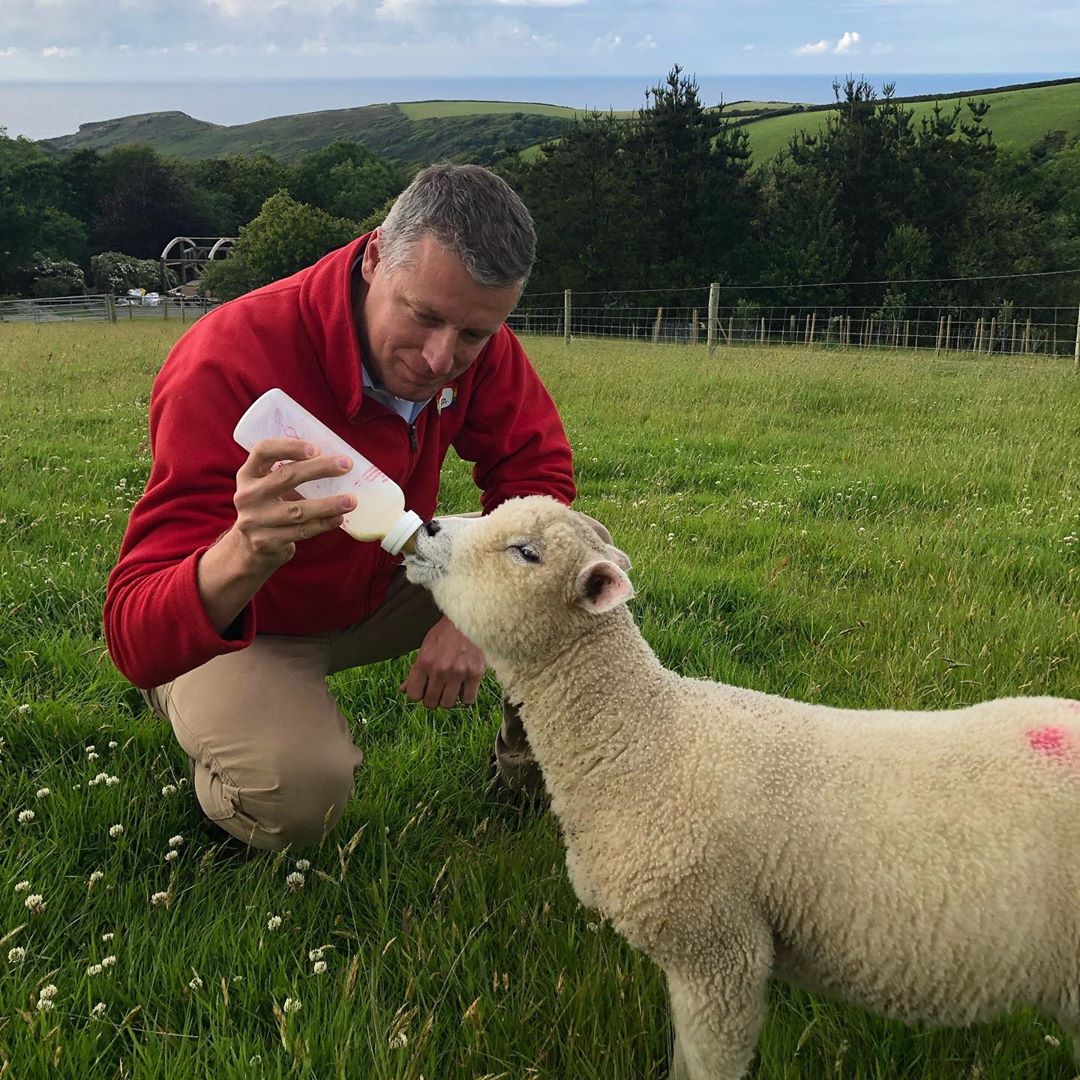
527 552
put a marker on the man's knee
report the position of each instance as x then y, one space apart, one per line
288 800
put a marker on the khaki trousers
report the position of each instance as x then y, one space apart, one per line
273 757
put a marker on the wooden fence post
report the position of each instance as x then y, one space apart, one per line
792 328
566 316
657 325
694 326
948 331
993 332
714 309
813 326
907 330
1027 337
762 329
110 307
1076 351
1013 348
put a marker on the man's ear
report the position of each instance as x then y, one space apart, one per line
372 256
601 586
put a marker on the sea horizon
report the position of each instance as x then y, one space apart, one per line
41 109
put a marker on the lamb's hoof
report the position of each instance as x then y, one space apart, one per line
523 791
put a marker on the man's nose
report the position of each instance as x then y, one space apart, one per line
438 350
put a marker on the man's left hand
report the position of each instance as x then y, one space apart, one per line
447 669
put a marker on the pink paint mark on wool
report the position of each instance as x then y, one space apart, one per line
1051 741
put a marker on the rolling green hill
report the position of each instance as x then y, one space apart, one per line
1017 117
470 131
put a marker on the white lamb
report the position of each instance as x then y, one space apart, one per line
923 865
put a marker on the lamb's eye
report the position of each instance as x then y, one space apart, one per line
527 552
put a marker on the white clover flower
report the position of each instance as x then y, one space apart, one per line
44 1004
91 756
22 886
1053 1040
160 898
295 881
99 779
35 903
291 1005
171 856
23 710
398 1041
316 954
303 864
109 936
196 983
98 1011
256 1060
168 789
112 744
91 748
112 781
95 877
109 961
320 967
47 992
175 841
25 817
16 955
42 792
273 922
94 969
116 830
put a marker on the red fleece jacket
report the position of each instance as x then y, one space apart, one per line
299 334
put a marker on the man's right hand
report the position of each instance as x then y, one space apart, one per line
271 518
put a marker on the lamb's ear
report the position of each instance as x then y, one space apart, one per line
601 586
619 558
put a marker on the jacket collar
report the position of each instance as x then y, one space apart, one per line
327 315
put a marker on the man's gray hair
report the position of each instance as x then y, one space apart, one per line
471 213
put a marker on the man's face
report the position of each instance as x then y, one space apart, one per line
423 324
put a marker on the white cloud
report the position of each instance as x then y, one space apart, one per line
538 3
61 52
407 11
847 42
647 44
609 43
881 48
10 51
749 48
816 49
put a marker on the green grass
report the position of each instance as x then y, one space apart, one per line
428 110
874 530
1016 117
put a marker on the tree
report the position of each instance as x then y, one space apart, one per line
345 179
285 237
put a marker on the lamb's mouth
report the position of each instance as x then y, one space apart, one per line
420 570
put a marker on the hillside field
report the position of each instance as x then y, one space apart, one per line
867 530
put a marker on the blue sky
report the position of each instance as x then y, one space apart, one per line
141 39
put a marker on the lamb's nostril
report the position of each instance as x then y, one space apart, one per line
431 527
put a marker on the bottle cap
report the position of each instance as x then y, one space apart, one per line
401 532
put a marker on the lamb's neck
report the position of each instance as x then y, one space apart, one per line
599 696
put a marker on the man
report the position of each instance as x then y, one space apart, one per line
233 599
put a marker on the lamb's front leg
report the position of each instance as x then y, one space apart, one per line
718 1012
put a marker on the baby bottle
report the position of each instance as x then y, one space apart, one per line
380 512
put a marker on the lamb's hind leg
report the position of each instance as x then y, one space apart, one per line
717 1019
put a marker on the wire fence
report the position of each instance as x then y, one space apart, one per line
994 328
103 307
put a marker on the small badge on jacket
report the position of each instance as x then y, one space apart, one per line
446 398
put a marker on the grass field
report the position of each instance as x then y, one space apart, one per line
1016 117
886 530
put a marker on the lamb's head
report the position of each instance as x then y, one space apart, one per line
523 582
